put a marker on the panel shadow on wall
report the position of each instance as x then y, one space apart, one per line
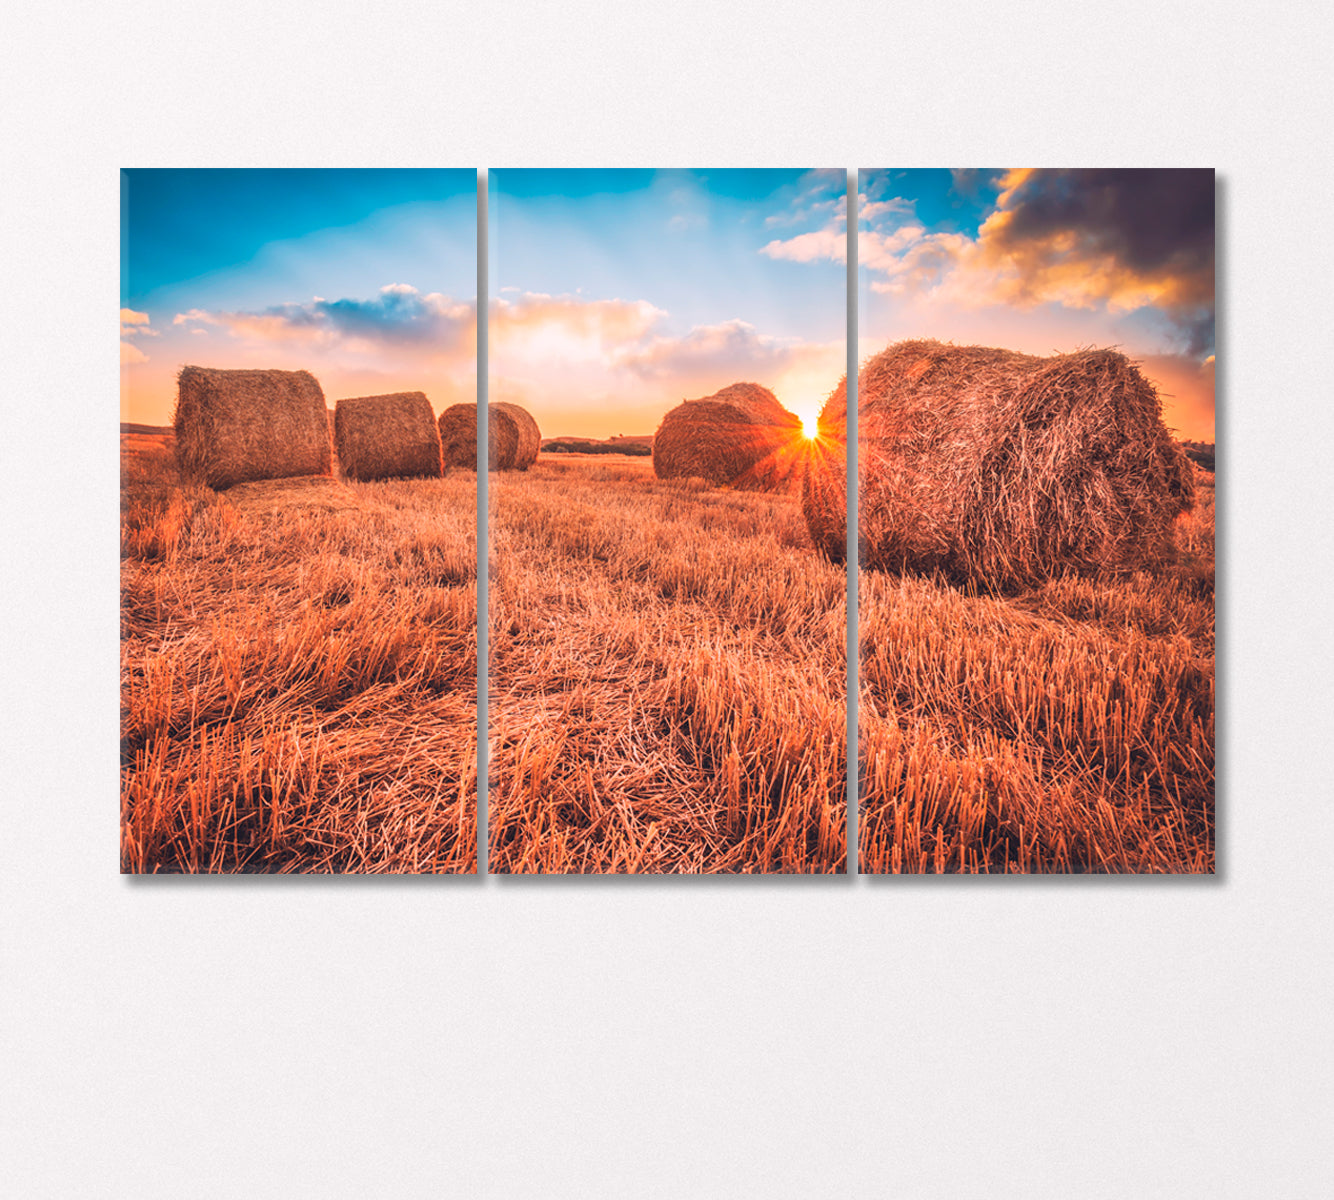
299 578
667 675
1036 521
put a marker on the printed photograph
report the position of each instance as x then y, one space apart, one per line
1035 438
298 564
668 674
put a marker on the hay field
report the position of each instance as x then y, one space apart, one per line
667 677
298 673
1067 728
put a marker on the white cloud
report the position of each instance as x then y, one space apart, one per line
874 210
822 244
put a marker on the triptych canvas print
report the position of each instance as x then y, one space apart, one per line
681 485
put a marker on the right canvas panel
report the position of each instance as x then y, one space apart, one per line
1035 444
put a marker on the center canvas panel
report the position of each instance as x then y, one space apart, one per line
667 681
299 583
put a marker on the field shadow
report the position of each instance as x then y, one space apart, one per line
722 882
319 881
1095 881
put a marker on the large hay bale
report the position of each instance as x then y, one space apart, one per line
237 426
458 437
527 436
739 436
1002 469
386 437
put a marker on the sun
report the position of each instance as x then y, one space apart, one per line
810 428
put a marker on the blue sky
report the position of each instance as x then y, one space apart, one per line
618 293
366 278
615 294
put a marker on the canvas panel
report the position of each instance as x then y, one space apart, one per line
1035 420
298 649
667 643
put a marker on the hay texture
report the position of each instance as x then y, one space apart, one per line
387 437
238 426
740 436
1002 469
527 436
458 437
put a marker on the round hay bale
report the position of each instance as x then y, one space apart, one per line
386 437
1003 469
238 426
739 436
528 438
458 437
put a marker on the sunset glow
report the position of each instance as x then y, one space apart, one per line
618 294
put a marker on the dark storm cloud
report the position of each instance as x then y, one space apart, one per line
1156 224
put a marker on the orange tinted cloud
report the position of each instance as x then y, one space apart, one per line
399 318
1111 239
398 340
598 367
134 325
569 328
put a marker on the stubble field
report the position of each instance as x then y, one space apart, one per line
298 673
668 677
1068 728
667 688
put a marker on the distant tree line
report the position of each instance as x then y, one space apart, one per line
579 446
1200 452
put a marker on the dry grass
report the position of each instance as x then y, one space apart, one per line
1067 728
298 674
667 677
235 426
667 688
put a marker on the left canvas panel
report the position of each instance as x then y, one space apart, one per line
298 569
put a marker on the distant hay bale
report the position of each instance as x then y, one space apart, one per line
238 426
1003 469
386 437
458 437
527 436
739 436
